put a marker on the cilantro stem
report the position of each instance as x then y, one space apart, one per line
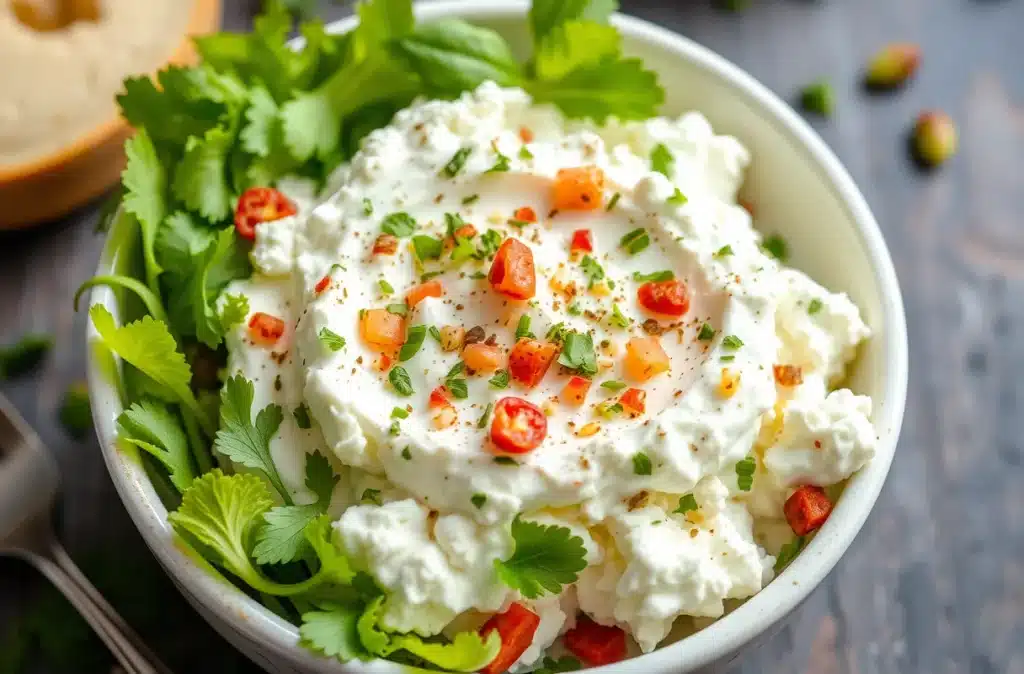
200 450
150 299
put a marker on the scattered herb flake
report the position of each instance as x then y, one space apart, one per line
614 385
613 201
399 224
677 198
455 164
686 503
471 199
331 339
398 308
814 306
435 333
414 337
523 328
524 153
578 353
642 464
427 247
485 417
592 270
385 287
776 246
665 275
732 342
371 496
505 461
499 380
707 333
301 414
400 380
635 241
399 413
407 454
367 207
478 500
24 355
662 160
724 251
787 553
618 319
817 97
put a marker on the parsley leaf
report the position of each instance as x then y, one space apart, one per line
745 473
385 287
413 341
331 339
546 558
400 380
592 270
642 464
578 353
244 442
686 503
332 631
398 308
455 164
154 428
724 251
24 355
281 539
502 164
662 160
656 276
398 224
635 241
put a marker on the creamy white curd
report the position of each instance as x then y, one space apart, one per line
648 565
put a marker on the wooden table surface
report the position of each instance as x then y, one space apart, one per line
935 581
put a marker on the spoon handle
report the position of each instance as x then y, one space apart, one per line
134 656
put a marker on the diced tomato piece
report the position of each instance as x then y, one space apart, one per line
258 205
529 361
525 214
595 644
383 362
645 358
438 398
382 329
417 294
516 626
265 329
512 272
386 244
634 401
807 509
582 242
442 413
322 284
579 189
526 134
518 426
482 358
669 298
575 391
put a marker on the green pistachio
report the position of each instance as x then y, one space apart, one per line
935 138
892 65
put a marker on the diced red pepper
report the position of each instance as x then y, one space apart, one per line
529 361
322 284
518 426
595 644
516 626
634 401
807 509
386 244
525 214
582 242
258 205
265 329
512 272
669 298
438 398
418 293
575 391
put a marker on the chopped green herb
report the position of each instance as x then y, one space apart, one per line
732 342
478 500
728 359
331 339
677 198
499 380
817 97
609 411
478 276
505 461
24 355
399 378
557 333
613 201
407 454
662 160
656 276
455 164
635 241
301 414
502 163
398 224
395 429
814 306
456 370
686 503
787 553
471 199
488 246
452 223
398 308
458 388
524 153
367 207
642 464
385 287
618 319
614 385
776 246
575 309
435 333
519 224
463 250
592 270
429 275
371 496
427 247
745 473
724 251
707 333
578 353
414 337
485 417
399 413
523 328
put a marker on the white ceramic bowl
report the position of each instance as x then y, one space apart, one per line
800 190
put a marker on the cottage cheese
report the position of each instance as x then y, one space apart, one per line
647 565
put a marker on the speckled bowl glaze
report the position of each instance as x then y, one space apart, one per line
800 190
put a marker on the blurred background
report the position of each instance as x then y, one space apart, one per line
935 581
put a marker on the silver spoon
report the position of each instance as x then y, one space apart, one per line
29 482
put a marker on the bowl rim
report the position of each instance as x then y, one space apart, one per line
726 635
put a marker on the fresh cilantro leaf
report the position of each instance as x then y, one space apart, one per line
413 341
154 428
147 345
776 246
546 558
165 118
788 553
234 310
614 385
145 195
282 537
618 319
382 21
724 251
642 464
609 88
814 306
427 247
395 429
310 126
24 355
485 417
745 473
200 178
707 333
546 15
455 164
732 342
677 198
478 500
556 333
244 442
592 270
572 45
181 240
662 160
656 276
578 353
501 165
400 380
452 56
217 258
330 339
478 276
75 412
398 224
686 503
635 241
261 120
499 380
489 243
302 419
464 249
523 328
332 632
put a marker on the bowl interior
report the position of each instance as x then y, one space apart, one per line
799 190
